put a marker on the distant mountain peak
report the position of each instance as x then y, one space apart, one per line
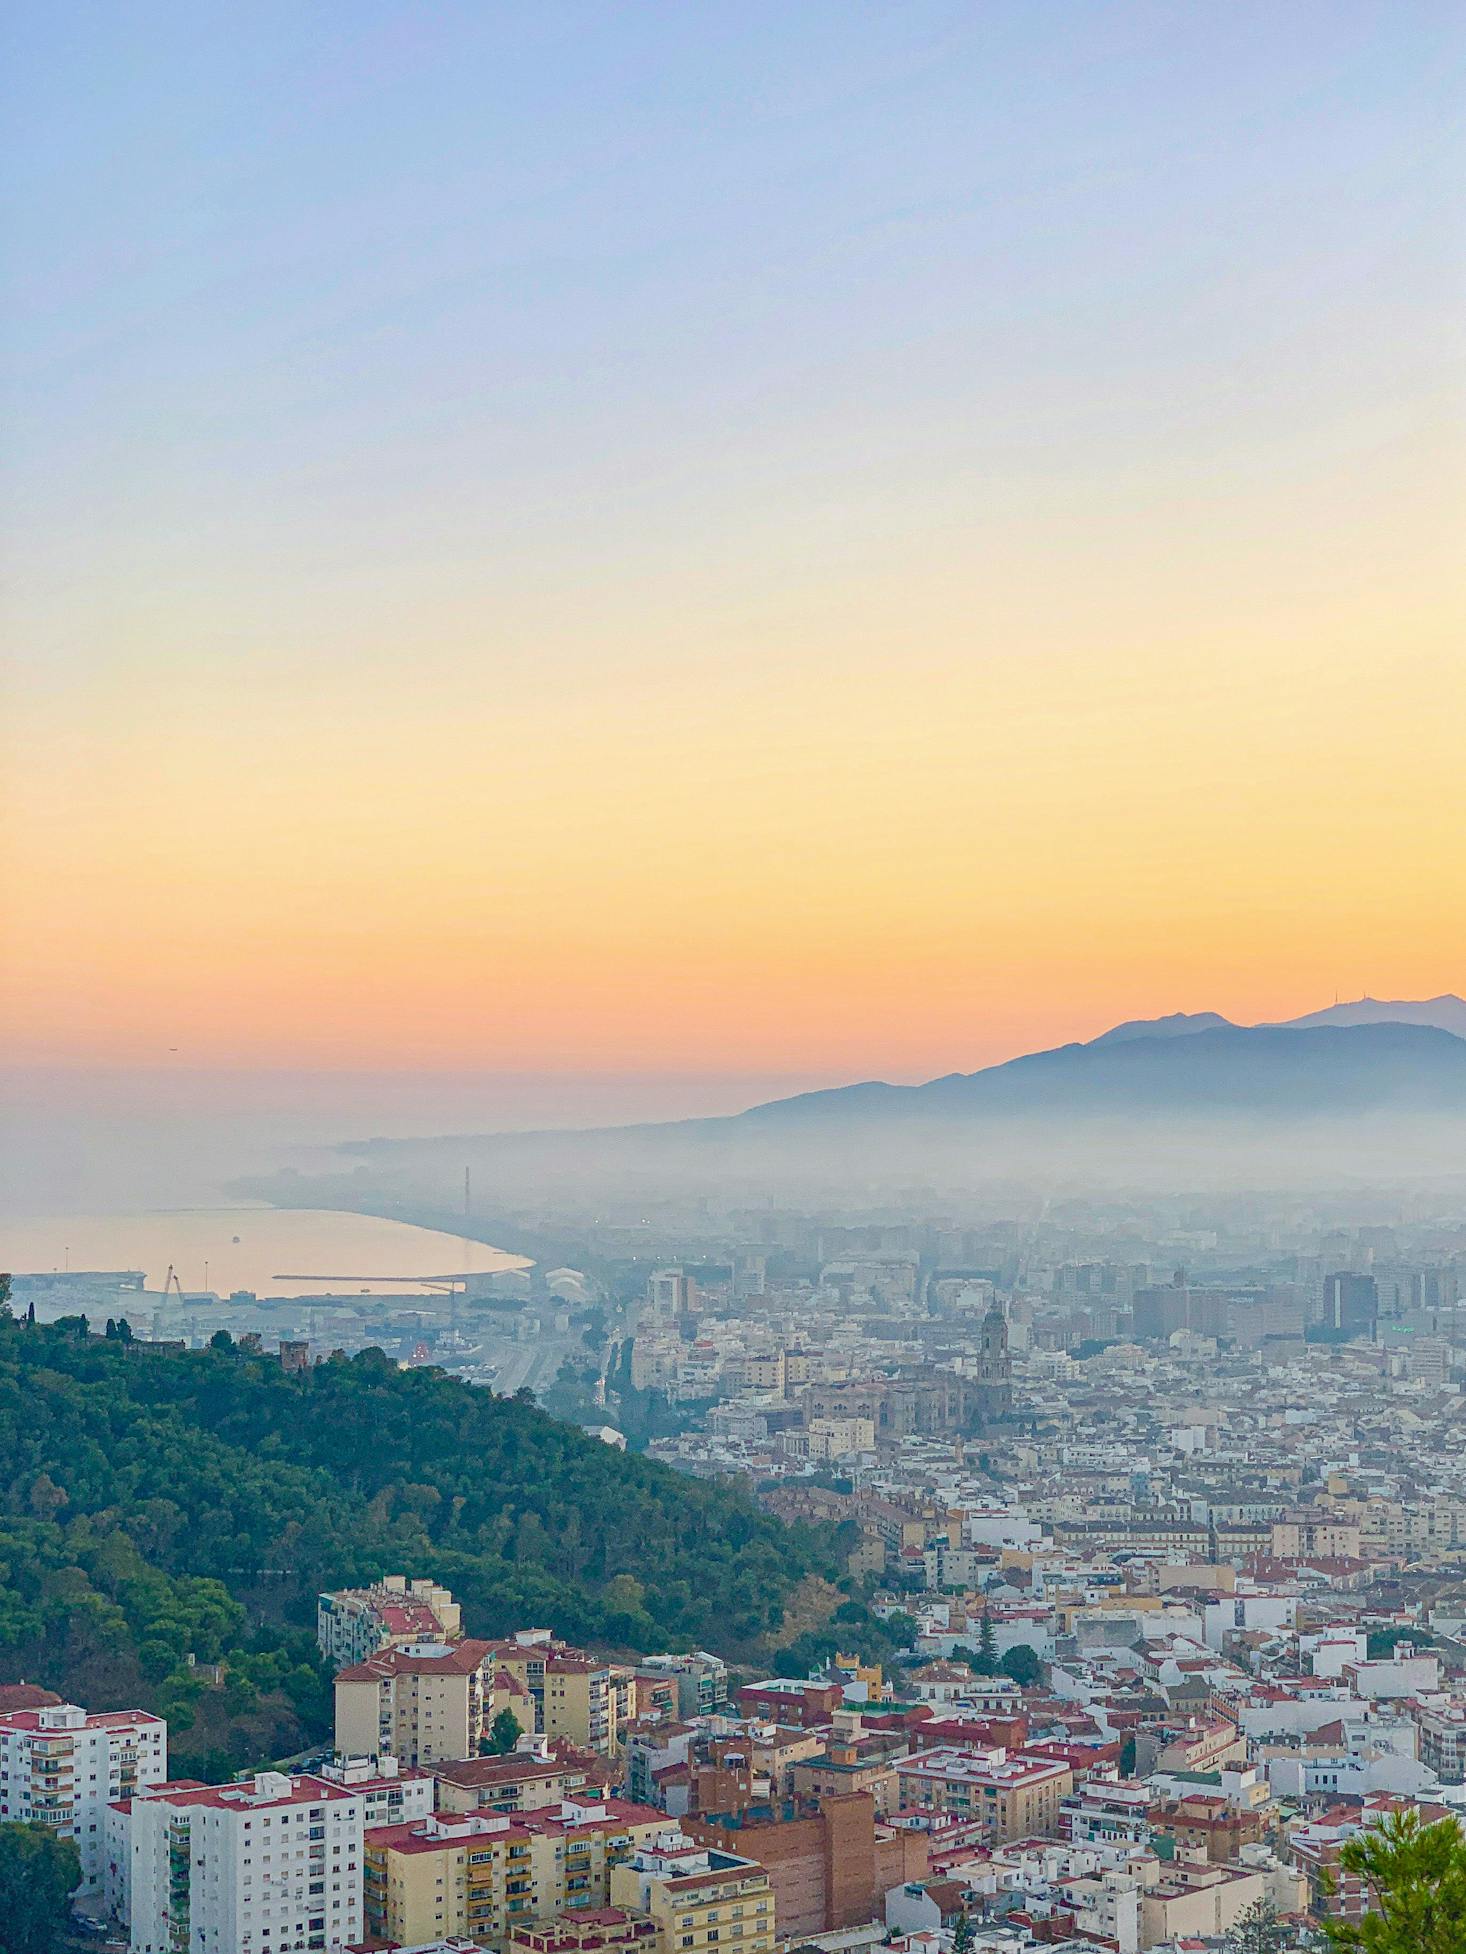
1444 1013
1176 1024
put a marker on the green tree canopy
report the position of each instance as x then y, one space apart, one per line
1416 1876
1021 1665
38 1873
157 1504
504 1733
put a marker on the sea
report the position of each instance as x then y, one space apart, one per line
269 1251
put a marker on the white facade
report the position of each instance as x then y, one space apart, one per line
117 1849
391 1794
1343 1774
1400 1675
62 1767
270 1866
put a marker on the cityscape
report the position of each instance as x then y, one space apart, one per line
733 978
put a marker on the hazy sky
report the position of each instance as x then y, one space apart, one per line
835 539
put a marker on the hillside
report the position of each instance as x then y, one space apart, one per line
1263 1071
1188 1099
160 1503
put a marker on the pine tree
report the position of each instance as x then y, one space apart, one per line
1260 1930
1416 1876
987 1647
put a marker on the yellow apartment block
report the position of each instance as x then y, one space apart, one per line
486 1873
420 1703
703 1901
581 1703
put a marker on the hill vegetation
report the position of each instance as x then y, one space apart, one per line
161 1504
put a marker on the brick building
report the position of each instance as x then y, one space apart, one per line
830 1869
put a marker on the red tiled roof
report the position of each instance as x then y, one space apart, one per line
159 1791
96 1720
456 1828
474 1772
242 1798
25 1696
457 1659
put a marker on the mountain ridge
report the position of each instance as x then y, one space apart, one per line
1193 1075
1307 1070
1446 1013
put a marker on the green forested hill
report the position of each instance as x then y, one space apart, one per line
157 1504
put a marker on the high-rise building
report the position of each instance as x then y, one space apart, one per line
356 1622
485 1873
1350 1304
1157 1313
420 1703
701 1680
265 1867
61 1766
580 1702
671 1293
750 1272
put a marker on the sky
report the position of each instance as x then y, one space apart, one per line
729 542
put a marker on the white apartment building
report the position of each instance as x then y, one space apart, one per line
270 1866
353 1623
390 1792
117 1847
61 1766
389 1795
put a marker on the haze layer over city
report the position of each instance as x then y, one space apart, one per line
733 1102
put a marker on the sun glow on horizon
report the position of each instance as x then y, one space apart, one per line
730 546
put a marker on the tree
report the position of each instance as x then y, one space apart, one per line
962 1934
46 1497
39 1871
317 1482
504 1733
1021 1665
987 1647
902 1629
6 1313
1128 1754
1382 1641
1260 1930
1416 1876
221 1340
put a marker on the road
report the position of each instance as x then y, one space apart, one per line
534 1363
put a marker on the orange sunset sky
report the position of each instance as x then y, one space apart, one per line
841 542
